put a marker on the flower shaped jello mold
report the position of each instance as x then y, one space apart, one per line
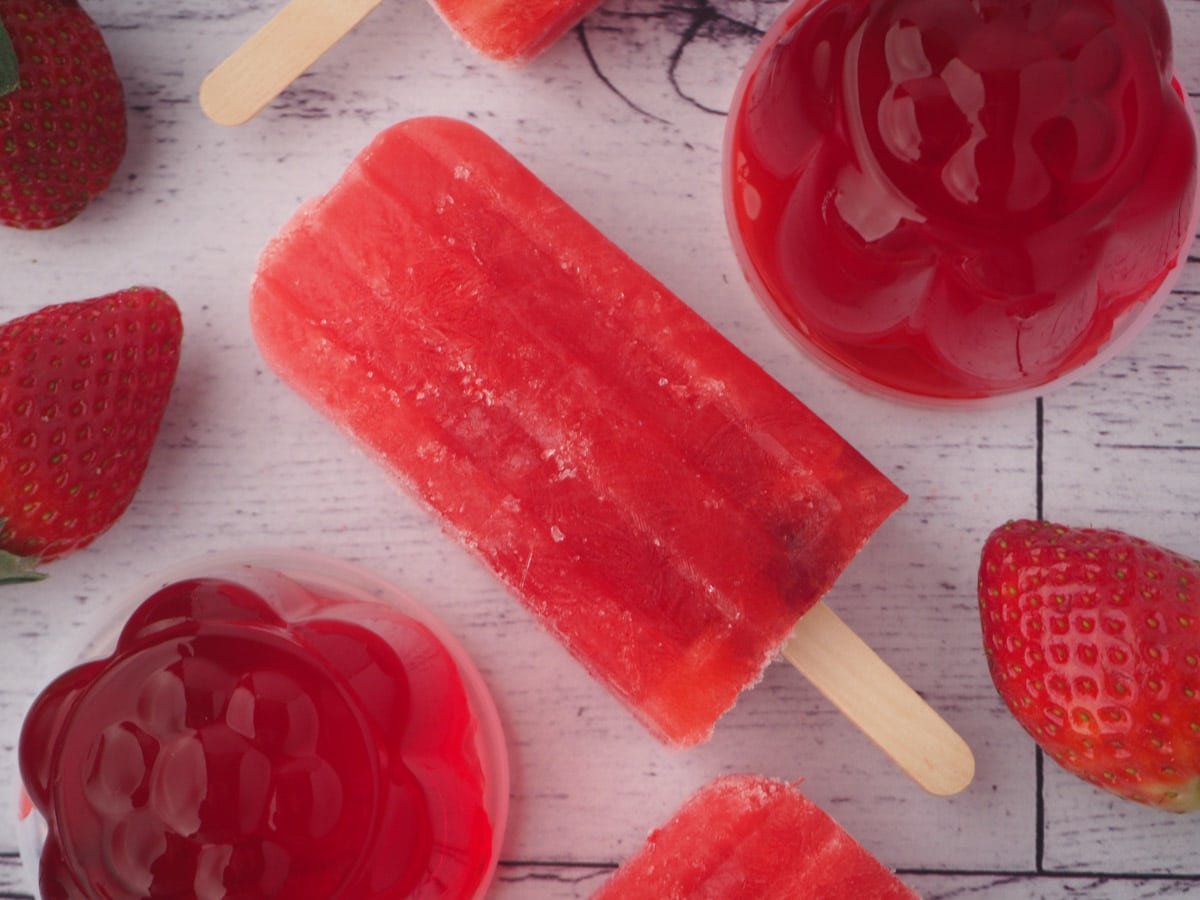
251 736
956 201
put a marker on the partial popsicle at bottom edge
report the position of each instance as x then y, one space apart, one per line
743 836
652 496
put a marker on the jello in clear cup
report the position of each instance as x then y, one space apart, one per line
269 724
951 202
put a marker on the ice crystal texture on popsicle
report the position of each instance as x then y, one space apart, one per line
658 501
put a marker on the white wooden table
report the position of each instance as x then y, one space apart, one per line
624 118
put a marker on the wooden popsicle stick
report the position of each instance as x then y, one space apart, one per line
866 689
276 55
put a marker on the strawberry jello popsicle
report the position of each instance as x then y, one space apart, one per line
747 836
659 502
510 31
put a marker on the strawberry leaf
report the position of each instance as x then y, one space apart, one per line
10 79
15 568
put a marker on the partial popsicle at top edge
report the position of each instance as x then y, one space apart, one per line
660 504
512 31
743 836
298 35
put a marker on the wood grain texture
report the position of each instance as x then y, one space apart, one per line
624 117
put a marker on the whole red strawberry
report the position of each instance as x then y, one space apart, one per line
1093 640
83 387
62 113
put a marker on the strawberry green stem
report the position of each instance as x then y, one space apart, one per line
15 568
9 77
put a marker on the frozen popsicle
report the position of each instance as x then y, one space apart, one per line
511 31
746 836
660 503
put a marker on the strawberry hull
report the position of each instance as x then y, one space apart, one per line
651 495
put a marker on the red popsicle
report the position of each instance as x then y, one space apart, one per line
661 504
744 836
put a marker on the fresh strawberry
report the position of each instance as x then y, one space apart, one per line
62 113
1093 641
83 387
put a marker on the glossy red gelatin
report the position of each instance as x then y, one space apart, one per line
252 737
961 200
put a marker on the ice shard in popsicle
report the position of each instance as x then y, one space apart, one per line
746 836
511 31
657 500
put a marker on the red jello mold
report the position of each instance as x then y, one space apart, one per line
275 724
951 202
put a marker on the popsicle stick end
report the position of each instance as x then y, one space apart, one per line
870 693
